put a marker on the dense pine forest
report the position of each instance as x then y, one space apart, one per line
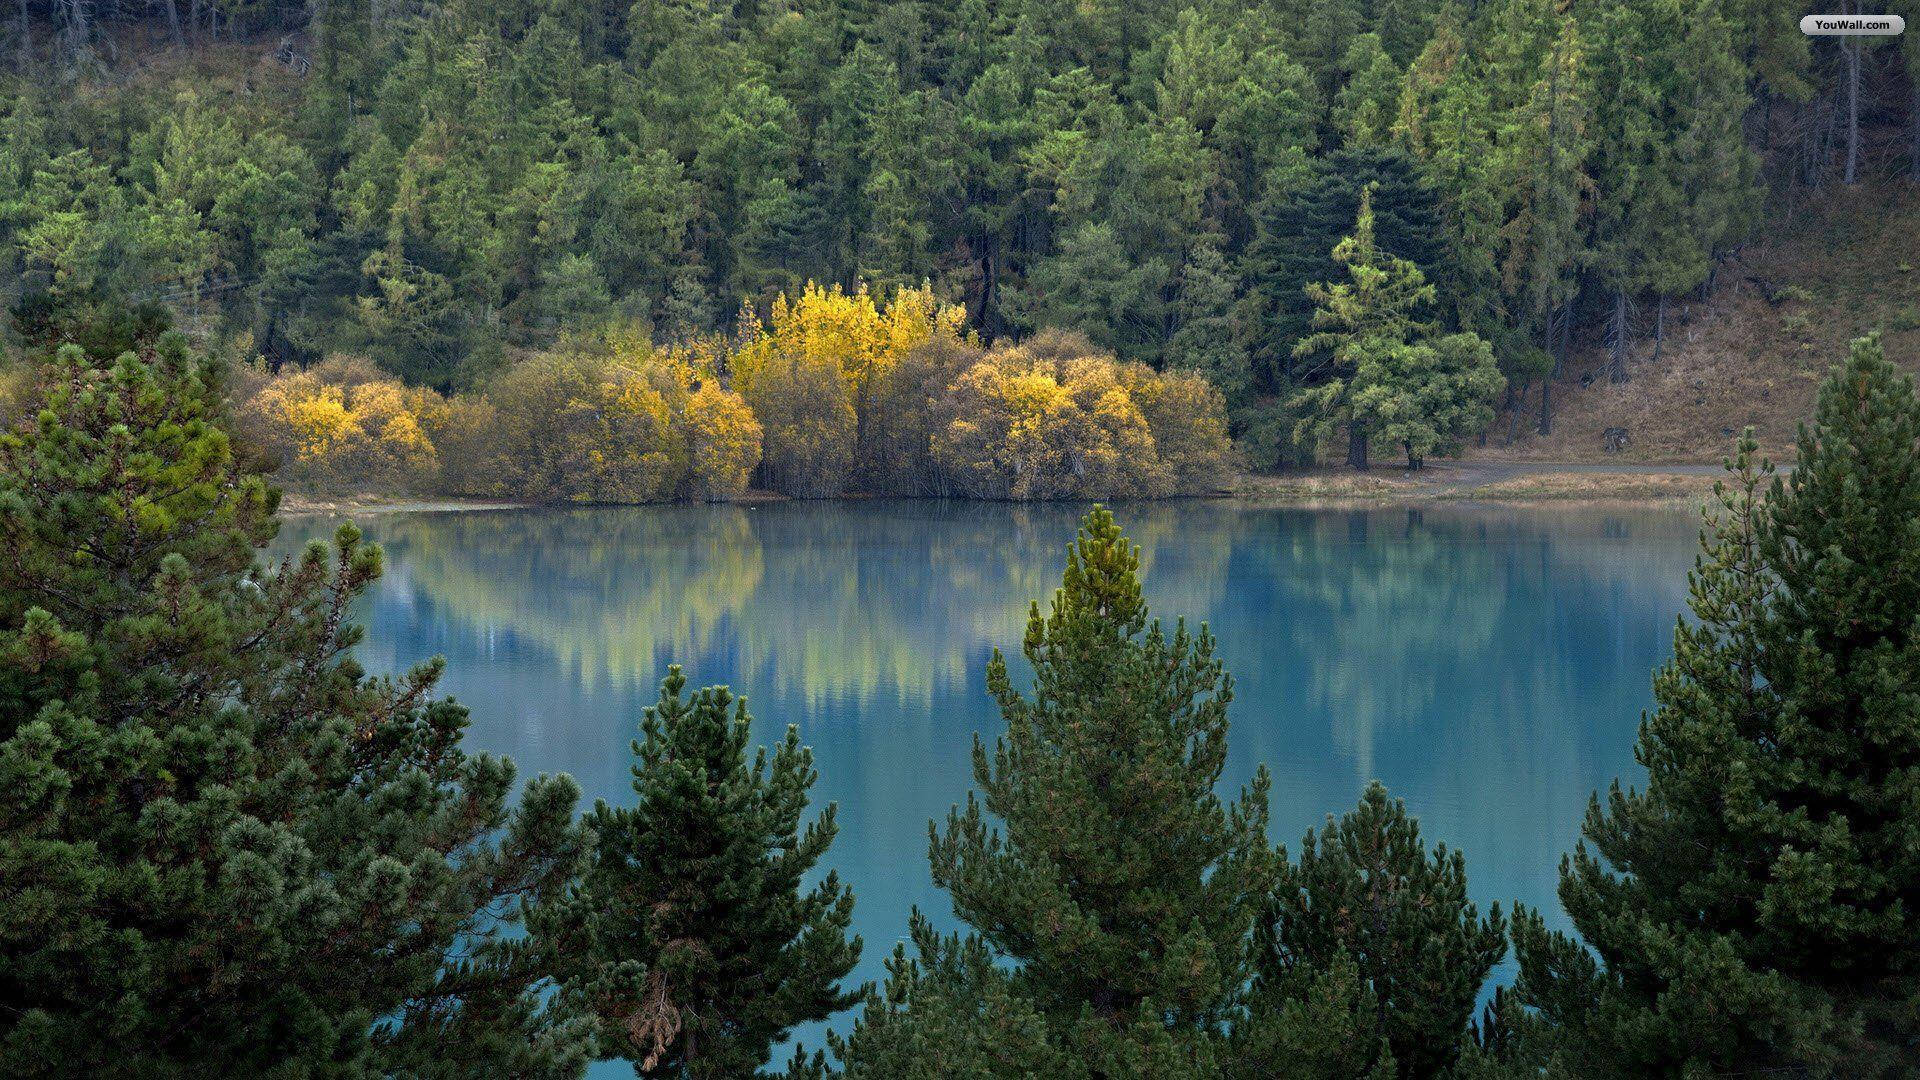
437 193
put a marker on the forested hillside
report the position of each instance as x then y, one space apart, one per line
446 188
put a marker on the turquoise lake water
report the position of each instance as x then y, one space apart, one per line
1490 664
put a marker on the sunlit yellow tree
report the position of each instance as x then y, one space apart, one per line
811 372
1057 418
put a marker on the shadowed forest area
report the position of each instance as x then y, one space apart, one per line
622 196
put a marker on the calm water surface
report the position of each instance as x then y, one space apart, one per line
1489 664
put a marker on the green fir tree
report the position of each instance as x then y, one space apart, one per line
1367 892
227 850
1753 909
691 939
1122 886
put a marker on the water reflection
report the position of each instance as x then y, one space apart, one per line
1489 664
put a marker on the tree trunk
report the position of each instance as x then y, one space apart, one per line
173 23
1617 337
26 45
1357 445
1659 326
1560 344
1913 73
1513 413
1558 335
1852 50
1413 461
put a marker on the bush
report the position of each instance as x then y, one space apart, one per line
898 457
817 372
465 431
809 424
1188 418
1055 418
725 441
611 420
343 422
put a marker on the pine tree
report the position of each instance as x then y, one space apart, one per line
228 851
1207 340
1300 218
1372 311
1364 111
1426 396
1366 891
948 1012
690 939
1753 909
1543 166
1122 886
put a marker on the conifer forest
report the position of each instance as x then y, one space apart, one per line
505 507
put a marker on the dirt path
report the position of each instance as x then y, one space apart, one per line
1466 475
1490 480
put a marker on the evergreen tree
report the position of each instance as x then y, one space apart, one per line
1753 908
1364 110
228 851
1544 166
948 1012
1373 311
1207 340
1120 883
690 939
1367 892
1426 396
1301 218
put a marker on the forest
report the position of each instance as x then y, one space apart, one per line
228 849
1368 224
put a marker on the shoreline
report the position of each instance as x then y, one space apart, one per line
1506 483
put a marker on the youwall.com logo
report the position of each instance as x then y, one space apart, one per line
1852 25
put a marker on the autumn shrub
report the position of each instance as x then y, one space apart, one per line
907 399
1188 418
724 440
1056 418
465 429
807 414
345 423
574 427
815 373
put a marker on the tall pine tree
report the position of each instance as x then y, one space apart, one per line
1754 908
1122 886
690 938
1367 892
1374 310
228 851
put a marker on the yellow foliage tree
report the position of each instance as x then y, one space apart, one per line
1056 418
1188 418
617 420
724 439
344 422
810 373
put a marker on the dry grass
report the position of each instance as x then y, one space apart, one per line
1329 483
1738 359
1596 487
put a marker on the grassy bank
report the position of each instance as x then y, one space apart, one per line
1506 483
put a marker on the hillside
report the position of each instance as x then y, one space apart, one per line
1839 265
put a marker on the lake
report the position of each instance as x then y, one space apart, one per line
1490 664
